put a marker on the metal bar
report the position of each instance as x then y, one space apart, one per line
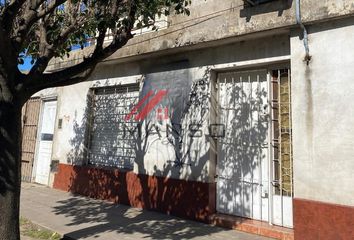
118 98
90 127
249 101
280 145
260 154
291 135
242 173
270 151
233 182
218 117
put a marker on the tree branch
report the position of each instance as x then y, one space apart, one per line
31 16
8 59
49 8
8 14
48 51
54 79
37 80
60 83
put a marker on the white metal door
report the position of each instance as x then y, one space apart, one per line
45 142
243 154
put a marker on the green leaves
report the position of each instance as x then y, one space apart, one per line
76 22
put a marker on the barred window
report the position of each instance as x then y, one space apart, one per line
111 142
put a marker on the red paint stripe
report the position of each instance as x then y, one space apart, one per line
136 107
152 103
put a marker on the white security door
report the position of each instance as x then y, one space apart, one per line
45 142
243 154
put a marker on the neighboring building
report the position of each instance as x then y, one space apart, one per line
219 117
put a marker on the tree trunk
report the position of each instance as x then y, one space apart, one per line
10 162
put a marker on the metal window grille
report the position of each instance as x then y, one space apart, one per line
112 140
282 133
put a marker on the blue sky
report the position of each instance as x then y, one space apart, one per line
27 64
27 61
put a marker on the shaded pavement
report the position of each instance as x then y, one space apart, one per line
77 217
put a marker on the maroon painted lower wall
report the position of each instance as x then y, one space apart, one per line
195 200
322 221
188 199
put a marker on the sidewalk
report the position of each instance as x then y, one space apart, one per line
78 217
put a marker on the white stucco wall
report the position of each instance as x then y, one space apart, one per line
69 141
68 100
323 115
200 64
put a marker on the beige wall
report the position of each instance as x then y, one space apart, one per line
215 22
159 157
323 115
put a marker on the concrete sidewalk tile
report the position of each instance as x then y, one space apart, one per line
77 217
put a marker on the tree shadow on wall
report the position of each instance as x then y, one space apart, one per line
241 150
101 155
79 141
188 160
124 187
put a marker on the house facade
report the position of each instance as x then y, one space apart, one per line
238 115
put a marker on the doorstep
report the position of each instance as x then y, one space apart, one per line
252 226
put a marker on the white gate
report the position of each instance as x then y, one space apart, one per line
242 187
248 168
45 142
281 151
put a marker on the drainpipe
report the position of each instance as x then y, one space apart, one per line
306 38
